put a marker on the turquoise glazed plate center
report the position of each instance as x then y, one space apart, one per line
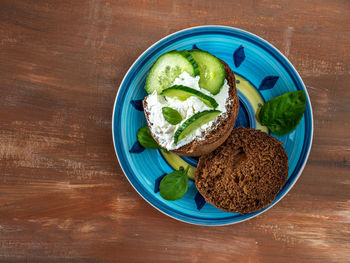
259 65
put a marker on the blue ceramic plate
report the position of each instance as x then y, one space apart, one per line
262 73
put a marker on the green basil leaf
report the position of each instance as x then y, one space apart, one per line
174 185
145 138
283 113
172 116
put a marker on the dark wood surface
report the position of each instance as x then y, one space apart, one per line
63 196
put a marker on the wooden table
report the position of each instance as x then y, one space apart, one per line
63 196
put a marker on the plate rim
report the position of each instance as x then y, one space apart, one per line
289 64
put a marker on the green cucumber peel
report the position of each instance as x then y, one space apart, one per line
194 123
182 93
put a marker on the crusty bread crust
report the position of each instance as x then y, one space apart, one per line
220 129
245 173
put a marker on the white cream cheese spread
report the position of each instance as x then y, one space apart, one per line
165 131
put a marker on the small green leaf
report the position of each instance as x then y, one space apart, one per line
283 113
172 116
174 185
145 138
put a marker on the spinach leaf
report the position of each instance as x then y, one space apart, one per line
172 116
174 185
145 138
283 113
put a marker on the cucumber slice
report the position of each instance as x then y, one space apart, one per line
182 93
176 162
194 123
212 71
189 57
167 68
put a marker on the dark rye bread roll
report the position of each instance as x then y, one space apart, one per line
220 129
245 173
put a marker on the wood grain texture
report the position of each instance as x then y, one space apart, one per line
63 196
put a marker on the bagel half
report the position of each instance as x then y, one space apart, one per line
224 125
245 173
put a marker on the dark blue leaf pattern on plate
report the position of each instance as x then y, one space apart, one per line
242 117
137 148
190 160
239 56
199 199
137 104
157 182
195 47
268 82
